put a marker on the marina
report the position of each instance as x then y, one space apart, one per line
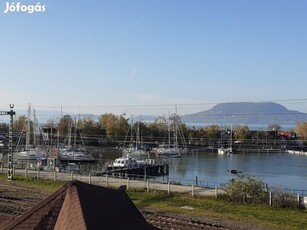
208 168
204 167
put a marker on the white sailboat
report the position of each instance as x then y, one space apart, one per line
226 150
135 147
172 148
72 152
32 151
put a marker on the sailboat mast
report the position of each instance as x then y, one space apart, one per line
137 136
131 134
75 132
28 128
176 128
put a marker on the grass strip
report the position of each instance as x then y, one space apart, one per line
257 215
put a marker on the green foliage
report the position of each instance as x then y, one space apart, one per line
65 124
247 190
242 132
44 184
213 131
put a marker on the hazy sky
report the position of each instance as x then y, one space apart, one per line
145 56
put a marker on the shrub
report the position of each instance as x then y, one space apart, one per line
284 199
247 190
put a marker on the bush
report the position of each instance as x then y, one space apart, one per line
247 190
284 199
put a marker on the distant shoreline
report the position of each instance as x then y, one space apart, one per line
262 127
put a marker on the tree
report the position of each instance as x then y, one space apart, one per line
89 127
65 124
301 129
158 130
121 127
242 132
108 123
213 131
4 127
20 123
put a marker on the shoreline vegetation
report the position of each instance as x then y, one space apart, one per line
231 215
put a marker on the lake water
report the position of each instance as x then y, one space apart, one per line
276 169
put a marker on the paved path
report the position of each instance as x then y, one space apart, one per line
109 181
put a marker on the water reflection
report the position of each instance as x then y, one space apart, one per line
276 169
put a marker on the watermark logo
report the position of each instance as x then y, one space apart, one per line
12 7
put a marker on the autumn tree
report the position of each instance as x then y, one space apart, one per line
242 132
301 129
115 127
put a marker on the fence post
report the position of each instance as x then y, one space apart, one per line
299 201
89 178
193 190
1 167
147 185
26 172
107 182
270 198
128 183
216 192
71 175
37 173
54 175
168 188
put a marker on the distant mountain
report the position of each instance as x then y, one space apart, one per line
246 113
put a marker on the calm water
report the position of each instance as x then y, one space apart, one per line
276 169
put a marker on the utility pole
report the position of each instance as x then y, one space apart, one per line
11 113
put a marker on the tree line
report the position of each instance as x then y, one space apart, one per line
118 129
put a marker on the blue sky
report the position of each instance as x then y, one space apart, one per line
145 56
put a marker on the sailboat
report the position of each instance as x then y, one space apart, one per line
172 148
228 150
33 150
72 152
135 148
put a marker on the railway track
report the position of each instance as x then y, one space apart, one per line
173 222
15 200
